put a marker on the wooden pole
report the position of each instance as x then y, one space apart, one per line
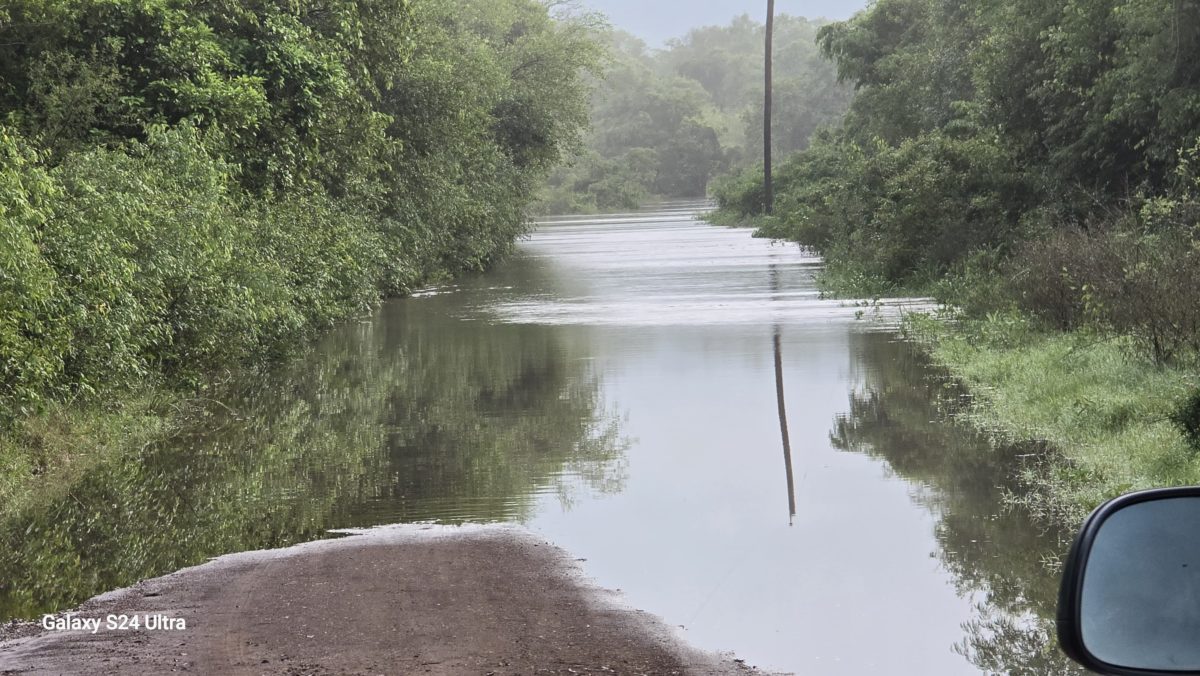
768 188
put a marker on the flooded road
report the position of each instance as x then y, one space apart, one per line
670 401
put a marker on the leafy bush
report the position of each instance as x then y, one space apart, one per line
1136 283
1186 417
740 193
1045 276
939 199
32 342
976 287
903 213
152 252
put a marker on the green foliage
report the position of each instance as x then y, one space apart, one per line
593 183
972 288
639 107
292 85
186 185
1105 408
141 245
740 192
1134 283
934 198
1132 273
31 342
903 212
1051 144
148 263
1186 417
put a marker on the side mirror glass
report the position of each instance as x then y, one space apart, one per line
1130 597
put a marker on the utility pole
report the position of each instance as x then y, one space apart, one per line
768 188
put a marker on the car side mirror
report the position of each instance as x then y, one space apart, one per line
1130 597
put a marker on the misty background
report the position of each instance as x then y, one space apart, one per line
669 120
657 22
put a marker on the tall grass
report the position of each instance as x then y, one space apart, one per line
1104 406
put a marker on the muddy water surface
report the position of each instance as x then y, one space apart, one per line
670 401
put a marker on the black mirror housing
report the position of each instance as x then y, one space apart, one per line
1129 604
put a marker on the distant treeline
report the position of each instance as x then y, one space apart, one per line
1037 155
186 184
665 122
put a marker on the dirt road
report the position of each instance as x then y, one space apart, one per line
398 600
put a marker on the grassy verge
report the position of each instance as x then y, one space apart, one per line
1102 411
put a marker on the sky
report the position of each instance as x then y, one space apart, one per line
656 21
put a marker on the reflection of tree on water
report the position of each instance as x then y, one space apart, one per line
485 418
997 555
405 418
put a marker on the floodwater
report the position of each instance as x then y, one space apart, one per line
671 402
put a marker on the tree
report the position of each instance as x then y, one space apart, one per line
195 183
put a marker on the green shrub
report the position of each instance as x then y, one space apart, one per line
976 287
32 342
1186 417
1131 282
328 259
145 261
740 193
152 252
